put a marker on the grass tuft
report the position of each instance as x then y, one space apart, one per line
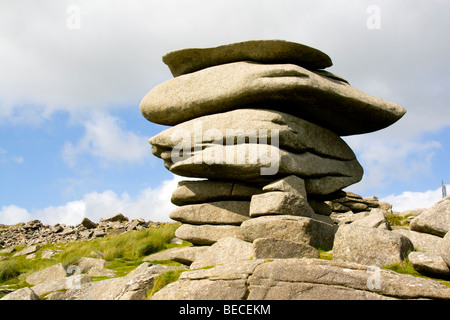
124 251
163 280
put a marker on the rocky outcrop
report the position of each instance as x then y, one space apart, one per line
444 248
249 266
262 122
35 232
292 279
370 246
262 125
54 272
133 286
361 250
429 264
21 294
57 283
435 220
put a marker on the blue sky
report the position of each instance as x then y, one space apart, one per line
73 142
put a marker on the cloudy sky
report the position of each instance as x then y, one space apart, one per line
72 74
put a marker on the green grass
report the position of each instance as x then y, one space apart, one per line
405 267
163 280
9 269
326 255
396 220
135 244
124 252
131 245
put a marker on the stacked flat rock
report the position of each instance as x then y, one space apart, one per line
261 122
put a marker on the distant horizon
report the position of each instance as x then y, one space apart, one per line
74 144
400 203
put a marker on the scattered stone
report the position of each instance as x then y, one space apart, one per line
56 271
96 254
5 291
133 286
412 212
370 246
86 234
32 225
98 234
88 224
422 241
57 228
176 241
136 224
223 282
36 233
71 282
8 250
67 231
435 220
428 263
85 264
100 272
117 217
21 294
28 250
56 295
47 254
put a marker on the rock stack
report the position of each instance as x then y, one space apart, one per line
260 122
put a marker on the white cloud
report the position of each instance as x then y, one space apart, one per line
386 159
105 139
115 56
114 59
149 204
414 200
5 157
12 214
